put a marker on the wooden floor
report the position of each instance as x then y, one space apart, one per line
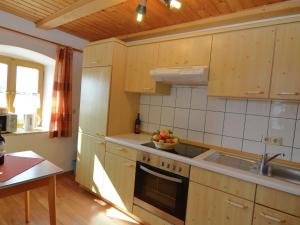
74 207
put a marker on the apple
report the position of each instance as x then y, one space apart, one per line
164 133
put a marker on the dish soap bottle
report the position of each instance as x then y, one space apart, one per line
137 125
2 144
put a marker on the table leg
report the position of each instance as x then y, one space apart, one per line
27 206
51 199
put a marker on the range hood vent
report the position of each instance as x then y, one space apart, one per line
194 75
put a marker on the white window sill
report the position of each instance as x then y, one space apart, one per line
21 131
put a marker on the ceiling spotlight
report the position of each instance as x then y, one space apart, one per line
173 3
141 10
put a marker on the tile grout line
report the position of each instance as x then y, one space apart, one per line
293 143
244 126
226 101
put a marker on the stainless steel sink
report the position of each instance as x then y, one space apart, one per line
272 170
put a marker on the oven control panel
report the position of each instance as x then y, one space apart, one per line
164 163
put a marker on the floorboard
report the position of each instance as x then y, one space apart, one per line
75 206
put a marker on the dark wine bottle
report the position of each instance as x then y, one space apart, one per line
2 143
137 125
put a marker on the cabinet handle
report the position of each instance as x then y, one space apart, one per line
101 142
94 62
274 219
121 149
253 92
288 93
147 89
129 165
238 205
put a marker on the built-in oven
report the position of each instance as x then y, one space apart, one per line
161 187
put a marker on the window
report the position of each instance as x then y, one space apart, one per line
21 85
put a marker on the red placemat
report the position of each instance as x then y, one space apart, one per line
14 165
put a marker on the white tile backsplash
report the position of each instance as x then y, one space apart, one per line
231 123
212 139
183 97
234 125
214 122
156 100
236 106
154 114
199 98
284 109
197 120
167 116
216 104
253 147
256 127
181 119
195 136
261 108
297 135
285 128
169 100
230 142
144 113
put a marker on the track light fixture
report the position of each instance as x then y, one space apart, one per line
141 10
173 3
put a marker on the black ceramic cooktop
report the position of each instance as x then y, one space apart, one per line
185 150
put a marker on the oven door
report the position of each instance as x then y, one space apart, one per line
163 191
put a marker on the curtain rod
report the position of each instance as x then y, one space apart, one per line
41 39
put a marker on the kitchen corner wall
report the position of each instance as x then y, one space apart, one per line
236 124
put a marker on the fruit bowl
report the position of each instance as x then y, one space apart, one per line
164 146
164 139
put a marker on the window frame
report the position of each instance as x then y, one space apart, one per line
12 78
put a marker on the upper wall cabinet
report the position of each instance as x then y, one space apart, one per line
241 63
140 60
286 69
185 52
98 55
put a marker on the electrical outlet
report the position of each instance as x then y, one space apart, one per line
272 140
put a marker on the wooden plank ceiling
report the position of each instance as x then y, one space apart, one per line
120 19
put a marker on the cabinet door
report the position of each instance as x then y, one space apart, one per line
185 52
90 162
267 216
286 69
140 60
119 181
95 86
241 63
207 206
98 55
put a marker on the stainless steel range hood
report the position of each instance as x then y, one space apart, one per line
193 75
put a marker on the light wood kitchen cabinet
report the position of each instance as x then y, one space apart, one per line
193 51
95 87
278 200
98 55
90 162
286 75
140 60
147 217
241 63
207 206
266 216
118 186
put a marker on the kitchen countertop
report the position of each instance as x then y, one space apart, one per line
135 141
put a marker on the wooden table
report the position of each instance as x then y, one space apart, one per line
41 174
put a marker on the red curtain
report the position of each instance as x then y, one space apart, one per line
61 115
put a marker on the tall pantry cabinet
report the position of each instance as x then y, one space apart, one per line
105 108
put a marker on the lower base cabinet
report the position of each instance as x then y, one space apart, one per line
118 184
90 162
207 206
266 216
147 217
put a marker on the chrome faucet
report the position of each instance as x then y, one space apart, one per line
265 159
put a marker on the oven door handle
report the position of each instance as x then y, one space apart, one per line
173 179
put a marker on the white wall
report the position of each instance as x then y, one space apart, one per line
59 151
